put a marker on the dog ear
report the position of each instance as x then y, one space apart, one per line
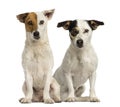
22 17
49 13
65 24
94 24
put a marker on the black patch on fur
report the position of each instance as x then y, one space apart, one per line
72 28
61 24
74 31
72 25
69 25
94 23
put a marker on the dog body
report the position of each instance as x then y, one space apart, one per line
37 59
80 61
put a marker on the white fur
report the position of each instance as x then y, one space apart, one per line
79 65
37 61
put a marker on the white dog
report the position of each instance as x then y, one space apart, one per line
37 59
80 61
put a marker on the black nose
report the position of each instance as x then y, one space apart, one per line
36 35
80 43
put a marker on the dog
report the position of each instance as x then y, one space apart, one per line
37 59
80 61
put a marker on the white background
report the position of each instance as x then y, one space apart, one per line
106 41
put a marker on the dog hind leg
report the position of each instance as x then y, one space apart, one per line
78 94
37 95
80 91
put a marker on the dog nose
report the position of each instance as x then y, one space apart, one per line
80 43
36 35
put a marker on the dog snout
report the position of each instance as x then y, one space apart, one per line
80 43
36 35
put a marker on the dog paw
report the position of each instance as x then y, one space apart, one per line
25 100
49 101
70 99
94 99
57 100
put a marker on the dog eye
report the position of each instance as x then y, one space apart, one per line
74 32
86 31
41 22
30 22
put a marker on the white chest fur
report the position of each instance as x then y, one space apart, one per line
80 63
38 61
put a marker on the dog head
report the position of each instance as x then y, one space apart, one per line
36 23
80 31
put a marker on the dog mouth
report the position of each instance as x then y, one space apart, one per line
79 46
36 37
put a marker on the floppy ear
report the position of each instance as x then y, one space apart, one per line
65 24
94 24
49 13
22 17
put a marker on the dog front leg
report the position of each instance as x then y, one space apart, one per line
28 90
92 95
71 96
46 94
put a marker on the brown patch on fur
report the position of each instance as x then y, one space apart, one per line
31 22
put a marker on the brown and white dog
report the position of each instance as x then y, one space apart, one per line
37 59
80 61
